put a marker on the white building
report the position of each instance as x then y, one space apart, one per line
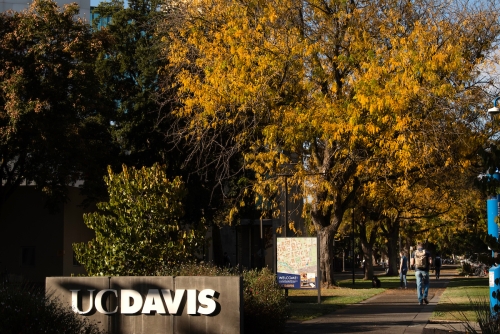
19 5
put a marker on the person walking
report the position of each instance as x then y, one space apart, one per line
422 260
403 270
437 265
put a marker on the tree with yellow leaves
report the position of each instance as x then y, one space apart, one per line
361 91
411 214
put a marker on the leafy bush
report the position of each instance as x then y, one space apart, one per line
488 323
140 227
265 306
25 309
194 269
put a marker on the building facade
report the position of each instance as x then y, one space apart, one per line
19 5
36 242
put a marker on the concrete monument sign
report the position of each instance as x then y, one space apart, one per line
164 304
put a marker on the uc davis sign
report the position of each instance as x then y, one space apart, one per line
132 301
154 304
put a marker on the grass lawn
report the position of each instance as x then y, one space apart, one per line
455 303
390 282
305 302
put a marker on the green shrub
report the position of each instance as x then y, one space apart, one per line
265 307
487 322
195 269
140 227
25 309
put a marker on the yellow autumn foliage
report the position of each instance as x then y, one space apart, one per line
373 95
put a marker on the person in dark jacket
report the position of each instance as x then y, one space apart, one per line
437 265
403 269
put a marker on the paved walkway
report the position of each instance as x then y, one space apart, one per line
391 312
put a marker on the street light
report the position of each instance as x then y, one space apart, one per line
495 110
288 172
353 260
286 176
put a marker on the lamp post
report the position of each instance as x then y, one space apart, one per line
495 110
288 172
286 176
286 204
353 260
492 213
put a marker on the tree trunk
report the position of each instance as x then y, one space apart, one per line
375 254
326 237
327 221
392 247
367 248
326 225
368 266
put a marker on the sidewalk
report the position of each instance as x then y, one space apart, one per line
391 312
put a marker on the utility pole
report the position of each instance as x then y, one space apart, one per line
352 235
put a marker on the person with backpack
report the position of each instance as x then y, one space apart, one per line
422 261
437 265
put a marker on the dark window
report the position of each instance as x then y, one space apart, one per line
28 256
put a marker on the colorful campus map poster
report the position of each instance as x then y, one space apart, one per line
297 262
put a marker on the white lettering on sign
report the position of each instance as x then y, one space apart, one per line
173 304
191 306
128 296
204 299
131 301
153 302
98 301
74 301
